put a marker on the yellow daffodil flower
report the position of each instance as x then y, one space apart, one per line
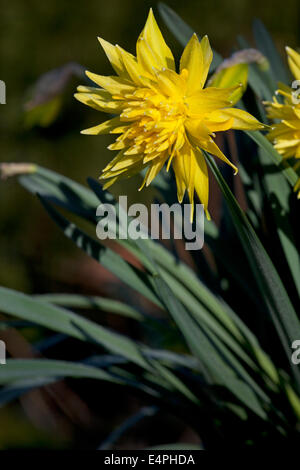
163 116
285 132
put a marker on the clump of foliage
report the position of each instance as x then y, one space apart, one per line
227 370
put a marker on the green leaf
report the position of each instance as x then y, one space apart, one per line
168 262
210 309
26 369
278 191
213 355
69 323
273 293
126 272
99 303
207 308
274 156
260 78
63 321
175 382
205 305
266 45
181 30
217 320
80 200
62 191
144 412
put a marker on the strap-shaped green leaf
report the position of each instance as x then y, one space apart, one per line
217 361
266 45
272 290
128 273
94 302
275 157
63 321
279 191
26 369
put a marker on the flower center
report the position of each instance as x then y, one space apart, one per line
156 123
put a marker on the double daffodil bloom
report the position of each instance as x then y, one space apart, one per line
163 117
285 133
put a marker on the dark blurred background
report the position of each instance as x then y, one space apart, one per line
36 37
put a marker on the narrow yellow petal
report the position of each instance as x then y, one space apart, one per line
207 58
114 57
133 68
236 75
208 100
133 169
201 180
118 145
115 160
147 58
152 35
170 83
282 144
190 169
217 126
110 182
297 188
94 90
115 85
177 164
280 111
95 101
192 61
197 131
241 119
212 148
123 161
294 62
153 170
104 128
119 129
